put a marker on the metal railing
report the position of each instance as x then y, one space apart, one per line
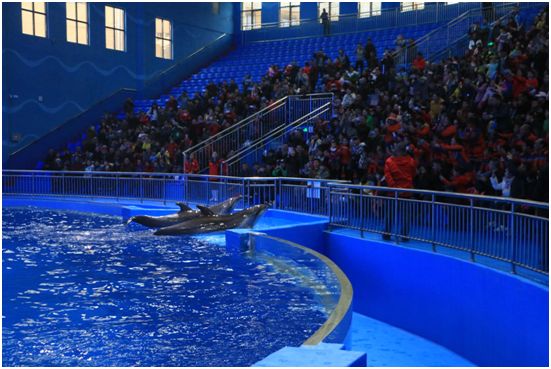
255 127
352 23
452 38
253 153
509 230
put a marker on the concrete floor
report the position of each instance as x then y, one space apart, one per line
387 345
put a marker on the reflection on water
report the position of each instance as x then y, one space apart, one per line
81 289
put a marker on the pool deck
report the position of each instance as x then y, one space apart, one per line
387 345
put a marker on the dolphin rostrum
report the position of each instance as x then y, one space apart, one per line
185 213
212 223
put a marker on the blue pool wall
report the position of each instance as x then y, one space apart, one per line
490 317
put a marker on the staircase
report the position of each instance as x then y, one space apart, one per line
268 123
253 153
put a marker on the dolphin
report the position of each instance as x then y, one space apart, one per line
185 213
212 223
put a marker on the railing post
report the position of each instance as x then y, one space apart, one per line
471 227
330 208
63 184
361 213
433 222
34 184
164 190
512 235
395 215
141 188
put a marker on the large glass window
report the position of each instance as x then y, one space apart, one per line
163 38
289 14
332 10
115 37
251 16
33 19
407 7
77 23
369 9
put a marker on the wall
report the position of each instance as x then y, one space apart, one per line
46 81
489 317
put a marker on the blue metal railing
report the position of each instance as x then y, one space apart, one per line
511 230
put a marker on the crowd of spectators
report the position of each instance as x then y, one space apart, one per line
476 123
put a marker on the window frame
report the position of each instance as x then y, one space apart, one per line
33 13
114 28
163 39
252 12
371 12
76 20
411 6
330 5
290 5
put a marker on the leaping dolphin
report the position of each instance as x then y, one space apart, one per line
185 213
212 223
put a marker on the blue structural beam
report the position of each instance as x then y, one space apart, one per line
320 355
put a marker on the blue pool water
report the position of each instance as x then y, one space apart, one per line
83 289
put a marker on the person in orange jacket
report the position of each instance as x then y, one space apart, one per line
400 169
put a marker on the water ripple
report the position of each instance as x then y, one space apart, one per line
83 290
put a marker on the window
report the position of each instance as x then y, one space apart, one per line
33 19
163 38
251 16
115 29
369 9
331 8
406 7
289 14
77 23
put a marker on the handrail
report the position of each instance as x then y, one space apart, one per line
162 73
353 16
57 128
274 134
514 231
338 184
236 126
464 196
149 82
469 14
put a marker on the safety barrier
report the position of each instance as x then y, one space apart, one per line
511 230
451 39
253 153
256 126
352 23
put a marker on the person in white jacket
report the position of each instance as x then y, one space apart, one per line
505 185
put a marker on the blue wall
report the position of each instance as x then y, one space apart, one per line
489 317
70 78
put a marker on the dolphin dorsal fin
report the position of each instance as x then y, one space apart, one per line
205 211
183 206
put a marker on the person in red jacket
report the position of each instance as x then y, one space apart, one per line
400 169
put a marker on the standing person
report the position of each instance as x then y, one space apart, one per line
214 170
400 169
325 22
